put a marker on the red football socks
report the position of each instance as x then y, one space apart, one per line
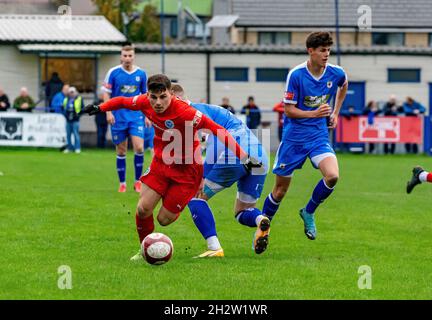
145 226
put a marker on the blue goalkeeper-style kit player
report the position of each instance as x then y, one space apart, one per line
306 131
221 170
127 123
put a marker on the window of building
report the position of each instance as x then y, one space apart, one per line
268 38
231 74
78 72
271 74
173 28
195 30
388 38
265 38
283 38
403 75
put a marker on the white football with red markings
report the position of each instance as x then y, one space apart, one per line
157 248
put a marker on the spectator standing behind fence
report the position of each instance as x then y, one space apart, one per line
24 103
54 85
391 109
226 105
371 111
101 123
4 101
412 108
280 109
56 105
253 114
72 107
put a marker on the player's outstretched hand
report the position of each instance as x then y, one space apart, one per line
91 109
251 163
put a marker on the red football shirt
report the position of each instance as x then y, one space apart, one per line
175 138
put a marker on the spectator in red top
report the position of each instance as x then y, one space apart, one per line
280 109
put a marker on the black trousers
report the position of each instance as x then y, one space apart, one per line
101 135
411 148
389 148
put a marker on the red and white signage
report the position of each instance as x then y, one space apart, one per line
382 129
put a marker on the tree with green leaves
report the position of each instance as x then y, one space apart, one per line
144 29
147 28
112 10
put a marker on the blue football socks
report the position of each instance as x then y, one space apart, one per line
270 206
121 168
248 217
138 163
202 217
320 193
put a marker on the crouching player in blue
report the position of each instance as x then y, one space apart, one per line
310 88
148 138
221 171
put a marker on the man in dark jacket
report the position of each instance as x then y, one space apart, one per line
390 109
4 101
253 114
412 108
101 124
53 86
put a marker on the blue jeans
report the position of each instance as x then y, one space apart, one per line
72 128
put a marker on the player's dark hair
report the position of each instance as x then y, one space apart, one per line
319 39
158 83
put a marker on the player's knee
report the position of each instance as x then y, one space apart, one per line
121 149
164 220
139 149
144 210
331 180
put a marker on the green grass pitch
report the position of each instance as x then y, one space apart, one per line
63 209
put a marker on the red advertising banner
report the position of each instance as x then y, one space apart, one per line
383 129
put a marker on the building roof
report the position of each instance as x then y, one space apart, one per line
69 48
57 29
321 13
282 49
222 21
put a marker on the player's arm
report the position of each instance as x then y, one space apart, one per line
137 103
340 97
107 90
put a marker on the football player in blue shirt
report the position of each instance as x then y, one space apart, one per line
126 80
221 170
310 88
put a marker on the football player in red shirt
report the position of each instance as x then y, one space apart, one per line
176 170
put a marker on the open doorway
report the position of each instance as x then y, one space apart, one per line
77 72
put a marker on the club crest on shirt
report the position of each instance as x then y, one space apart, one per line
169 124
138 78
329 84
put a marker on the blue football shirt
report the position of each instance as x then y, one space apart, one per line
308 92
243 135
119 82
